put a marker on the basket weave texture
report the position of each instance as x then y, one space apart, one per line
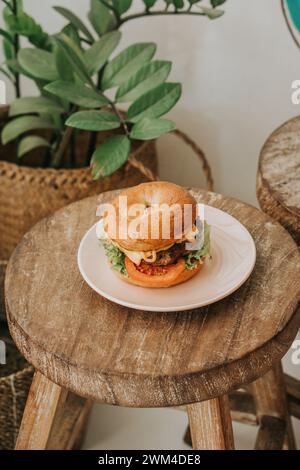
15 380
14 389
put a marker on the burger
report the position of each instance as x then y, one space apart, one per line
156 238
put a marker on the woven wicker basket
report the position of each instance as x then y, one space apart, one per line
3 265
15 380
28 194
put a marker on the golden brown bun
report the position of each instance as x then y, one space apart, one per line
183 277
146 194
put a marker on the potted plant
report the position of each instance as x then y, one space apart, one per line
73 140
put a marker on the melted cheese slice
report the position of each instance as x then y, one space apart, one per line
137 256
150 256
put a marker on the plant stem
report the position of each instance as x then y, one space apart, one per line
72 161
288 24
114 108
57 157
93 135
131 159
158 13
119 115
17 75
7 74
7 4
91 147
16 50
48 151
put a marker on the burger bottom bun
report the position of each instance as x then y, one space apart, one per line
182 277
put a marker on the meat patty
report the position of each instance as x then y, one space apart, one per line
171 255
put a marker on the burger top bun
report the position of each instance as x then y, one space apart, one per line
143 218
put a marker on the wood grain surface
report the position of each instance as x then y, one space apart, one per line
210 424
293 391
70 424
116 355
270 396
44 400
278 178
271 434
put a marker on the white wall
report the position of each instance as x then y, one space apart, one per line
236 73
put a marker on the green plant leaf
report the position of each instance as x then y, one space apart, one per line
30 143
19 6
168 2
34 104
149 3
6 35
60 102
94 121
8 50
15 67
75 21
101 17
78 94
24 25
110 156
147 77
217 3
151 128
155 103
23 124
63 66
212 13
127 63
178 4
98 53
121 6
6 14
39 63
75 57
70 31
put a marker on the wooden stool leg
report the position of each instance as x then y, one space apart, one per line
293 395
270 397
210 424
53 419
44 399
70 424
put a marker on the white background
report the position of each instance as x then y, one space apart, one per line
236 73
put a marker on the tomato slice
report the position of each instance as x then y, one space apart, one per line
157 277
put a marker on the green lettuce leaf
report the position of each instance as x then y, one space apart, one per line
116 257
191 259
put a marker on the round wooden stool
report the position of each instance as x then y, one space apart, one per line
278 193
278 177
81 343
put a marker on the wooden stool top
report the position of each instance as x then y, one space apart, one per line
116 355
278 177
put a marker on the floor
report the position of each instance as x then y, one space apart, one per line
153 429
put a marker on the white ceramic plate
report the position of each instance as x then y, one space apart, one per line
233 258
